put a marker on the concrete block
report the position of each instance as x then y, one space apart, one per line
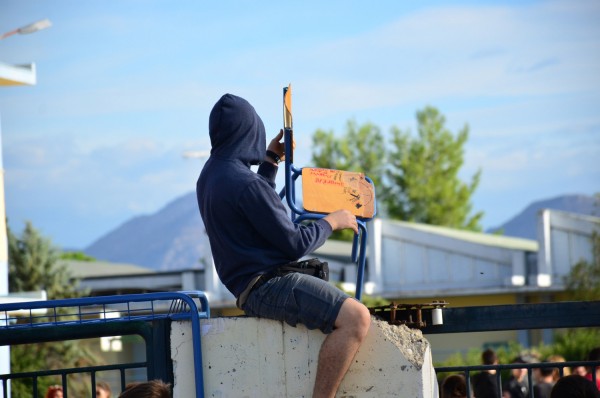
251 357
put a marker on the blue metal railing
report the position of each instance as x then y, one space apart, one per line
113 309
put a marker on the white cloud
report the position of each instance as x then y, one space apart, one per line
533 50
102 133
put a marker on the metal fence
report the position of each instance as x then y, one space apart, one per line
149 316
146 315
516 317
468 371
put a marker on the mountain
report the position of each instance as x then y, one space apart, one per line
524 224
172 238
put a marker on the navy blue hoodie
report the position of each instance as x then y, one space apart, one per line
248 227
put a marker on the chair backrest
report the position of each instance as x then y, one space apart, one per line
327 190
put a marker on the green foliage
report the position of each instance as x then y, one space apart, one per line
369 301
32 264
583 281
374 301
46 356
505 353
424 185
361 149
575 344
78 256
416 178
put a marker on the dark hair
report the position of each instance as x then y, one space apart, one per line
574 386
546 371
147 389
454 386
594 354
488 357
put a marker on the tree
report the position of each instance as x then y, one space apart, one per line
361 149
423 177
583 281
77 256
32 264
575 344
417 178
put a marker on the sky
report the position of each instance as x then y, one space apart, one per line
124 88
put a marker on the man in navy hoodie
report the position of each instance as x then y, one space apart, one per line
251 235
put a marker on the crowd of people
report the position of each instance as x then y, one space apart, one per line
146 389
548 382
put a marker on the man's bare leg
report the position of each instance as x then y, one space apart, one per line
340 346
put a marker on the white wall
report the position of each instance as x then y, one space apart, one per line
565 239
409 259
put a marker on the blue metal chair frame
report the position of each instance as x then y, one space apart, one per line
359 243
182 307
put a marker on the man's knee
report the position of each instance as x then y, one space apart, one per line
363 320
355 317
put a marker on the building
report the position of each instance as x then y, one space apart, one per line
416 263
412 263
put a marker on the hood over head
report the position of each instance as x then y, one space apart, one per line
236 131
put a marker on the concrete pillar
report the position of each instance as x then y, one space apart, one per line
250 357
543 278
375 228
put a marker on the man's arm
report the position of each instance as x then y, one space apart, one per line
269 166
276 150
338 220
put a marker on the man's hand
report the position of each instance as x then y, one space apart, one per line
278 147
342 219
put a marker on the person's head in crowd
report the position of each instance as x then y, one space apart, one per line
55 391
103 390
519 373
556 372
147 389
454 386
594 355
574 386
544 374
579 370
488 357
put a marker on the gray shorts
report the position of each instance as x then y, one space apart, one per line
297 298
